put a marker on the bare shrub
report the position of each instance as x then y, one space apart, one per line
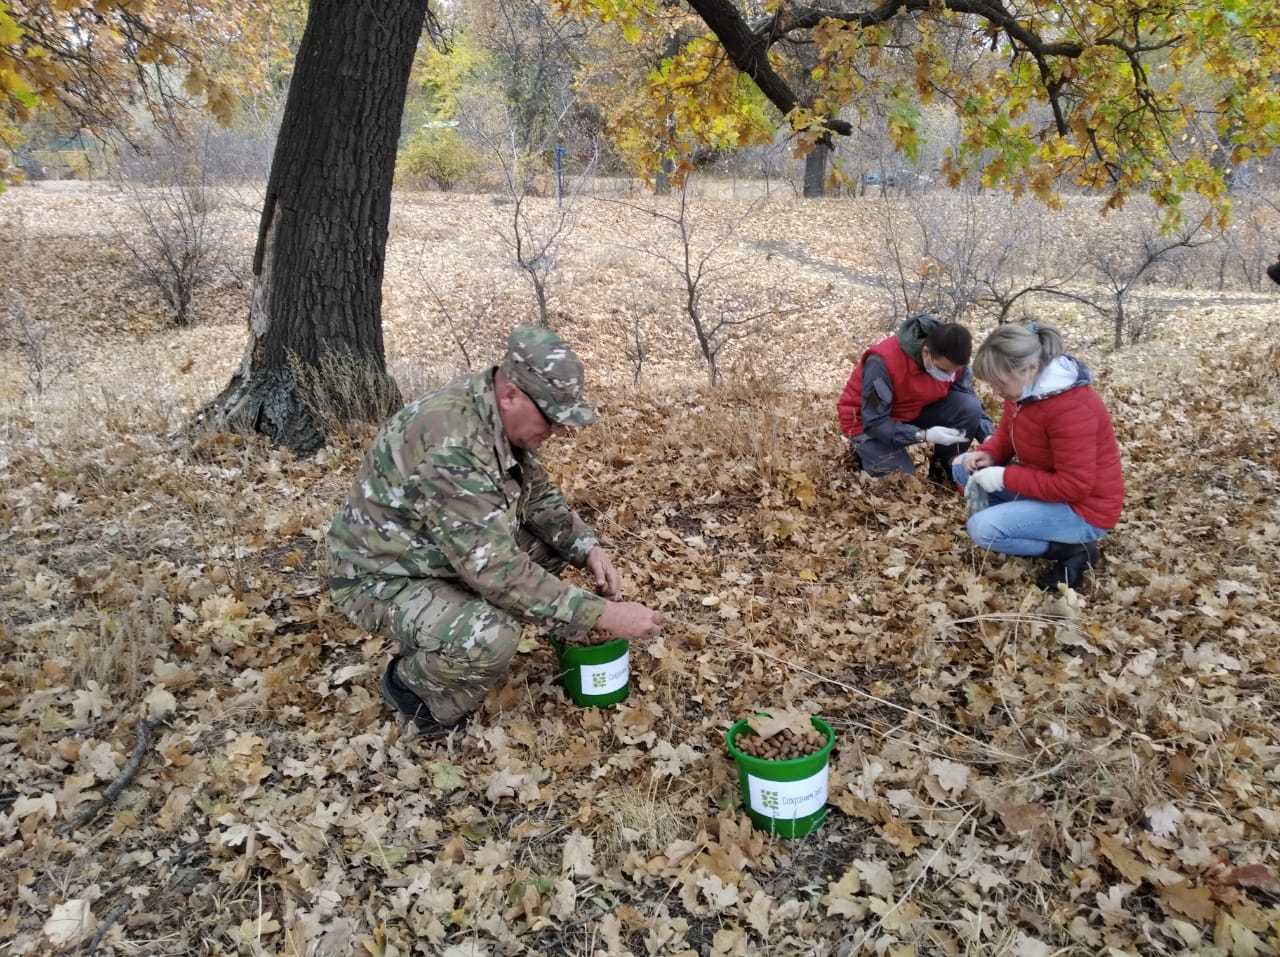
525 116
534 230
956 253
180 247
635 344
1121 267
536 236
1141 320
719 312
1249 243
45 362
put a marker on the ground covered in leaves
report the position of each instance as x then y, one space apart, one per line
1014 773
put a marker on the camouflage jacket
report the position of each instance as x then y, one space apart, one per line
442 493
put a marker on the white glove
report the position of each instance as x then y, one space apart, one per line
945 435
990 479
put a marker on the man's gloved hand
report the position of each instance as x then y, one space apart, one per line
990 479
945 435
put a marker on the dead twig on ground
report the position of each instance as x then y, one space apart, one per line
107 922
121 782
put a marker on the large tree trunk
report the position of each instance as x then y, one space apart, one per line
815 170
315 324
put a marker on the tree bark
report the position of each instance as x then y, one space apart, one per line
815 171
315 347
749 52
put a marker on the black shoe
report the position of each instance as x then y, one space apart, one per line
940 472
940 462
1070 562
855 459
410 706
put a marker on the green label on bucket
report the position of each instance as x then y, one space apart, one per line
610 676
788 799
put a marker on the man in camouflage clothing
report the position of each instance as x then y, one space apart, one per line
453 531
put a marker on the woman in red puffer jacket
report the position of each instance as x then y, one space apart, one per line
1051 473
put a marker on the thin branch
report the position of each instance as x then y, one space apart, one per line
87 814
116 913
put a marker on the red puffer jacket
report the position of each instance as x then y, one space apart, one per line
913 388
1061 448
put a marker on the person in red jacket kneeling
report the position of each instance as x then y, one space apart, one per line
912 387
1051 472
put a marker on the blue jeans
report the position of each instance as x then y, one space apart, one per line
1013 525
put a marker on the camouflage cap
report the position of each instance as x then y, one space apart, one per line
549 373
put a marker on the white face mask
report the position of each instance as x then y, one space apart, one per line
937 373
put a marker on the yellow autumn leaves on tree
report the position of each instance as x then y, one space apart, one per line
97 63
1114 97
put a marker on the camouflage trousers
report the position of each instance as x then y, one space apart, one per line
454 646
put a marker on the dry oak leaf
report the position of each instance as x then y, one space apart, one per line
895 917
842 898
953 777
611 930
1031 947
718 894
729 942
1190 901
73 793
565 900
1123 859
1254 875
577 858
901 836
877 876
100 759
160 704
678 850
1023 818
71 921
1237 939
1163 819
504 783
1111 904
671 761
798 722
44 804
757 913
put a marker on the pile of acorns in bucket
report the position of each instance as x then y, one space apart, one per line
783 745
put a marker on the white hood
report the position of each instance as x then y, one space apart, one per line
1059 375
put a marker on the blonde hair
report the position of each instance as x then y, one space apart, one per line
1013 349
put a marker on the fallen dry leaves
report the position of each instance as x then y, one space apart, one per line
1014 773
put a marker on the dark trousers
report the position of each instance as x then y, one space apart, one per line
959 410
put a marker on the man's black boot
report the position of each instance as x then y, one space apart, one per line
1069 563
410 706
